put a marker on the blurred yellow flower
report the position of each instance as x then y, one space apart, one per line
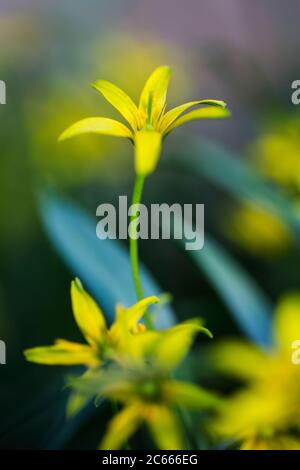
153 398
103 343
264 412
277 155
257 230
149 123
149 394
126 342
78 161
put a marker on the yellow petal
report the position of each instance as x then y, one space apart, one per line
88 315
164 427
255 443
176 342
209 112
130 316
287 322
174 113
63 353
255 409
124 327
121 427
97 125
156 89
136 349
189 395
147 151
120 100
284 442
240 359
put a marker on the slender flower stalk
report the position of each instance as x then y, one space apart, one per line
136 199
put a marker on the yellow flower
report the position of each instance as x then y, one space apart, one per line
126 342
148 122
103 343
268 150
266 409
258 231
148 392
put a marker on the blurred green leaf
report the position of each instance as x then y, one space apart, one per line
243 297
102 265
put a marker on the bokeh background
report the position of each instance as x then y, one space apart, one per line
246 170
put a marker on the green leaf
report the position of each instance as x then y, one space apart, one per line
102 265
243 297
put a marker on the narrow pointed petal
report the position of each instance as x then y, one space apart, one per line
164 427
120 100
130 316
97 125
156 89
88 315
121 427
63 353
209 112
174 113
125 334
190 396
176 342
147 151
139 347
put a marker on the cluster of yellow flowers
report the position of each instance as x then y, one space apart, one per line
130 364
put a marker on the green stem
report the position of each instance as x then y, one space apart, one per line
133 247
